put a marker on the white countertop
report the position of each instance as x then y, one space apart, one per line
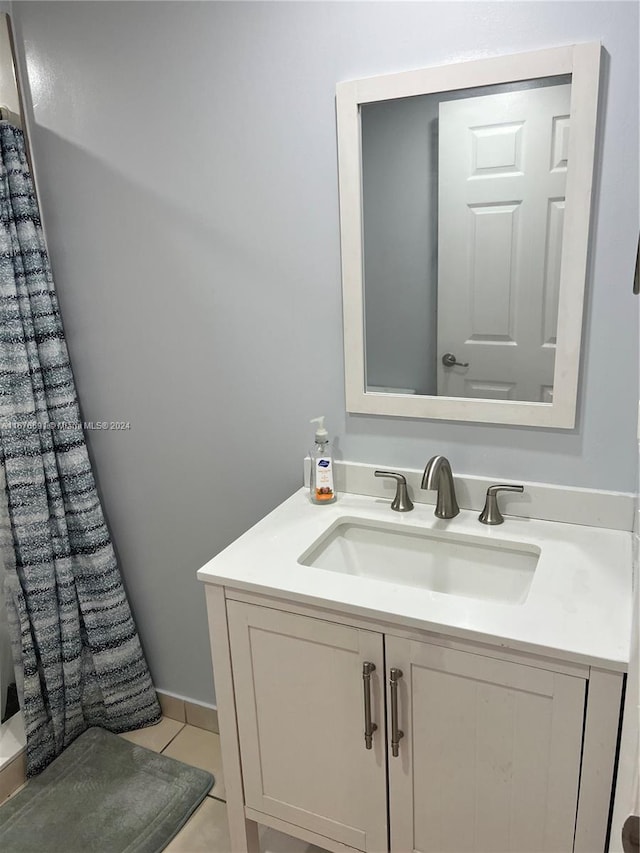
578 607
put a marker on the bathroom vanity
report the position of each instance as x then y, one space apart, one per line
397 682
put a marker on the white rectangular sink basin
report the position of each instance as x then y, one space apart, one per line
449 563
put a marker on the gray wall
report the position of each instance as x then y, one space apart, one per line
187 162
400 241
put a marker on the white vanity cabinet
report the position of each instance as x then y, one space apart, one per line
299 704
490 758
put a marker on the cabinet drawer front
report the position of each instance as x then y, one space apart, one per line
490 758
299 701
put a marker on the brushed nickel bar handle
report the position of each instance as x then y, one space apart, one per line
369 727
396 735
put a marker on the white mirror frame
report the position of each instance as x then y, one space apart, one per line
582 61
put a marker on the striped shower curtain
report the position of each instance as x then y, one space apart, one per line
77 653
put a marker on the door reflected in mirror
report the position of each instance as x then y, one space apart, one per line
463 199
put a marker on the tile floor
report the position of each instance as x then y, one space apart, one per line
207 830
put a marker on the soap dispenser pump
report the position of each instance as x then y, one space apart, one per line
322 489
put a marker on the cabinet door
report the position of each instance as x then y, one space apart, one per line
300 707
490 758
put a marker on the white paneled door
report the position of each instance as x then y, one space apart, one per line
490 757
502 172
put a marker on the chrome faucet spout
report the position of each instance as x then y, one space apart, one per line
438 476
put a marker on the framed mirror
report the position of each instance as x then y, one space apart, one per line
465 195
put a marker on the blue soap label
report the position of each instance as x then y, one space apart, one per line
323 479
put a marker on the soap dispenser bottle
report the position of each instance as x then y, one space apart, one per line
322 489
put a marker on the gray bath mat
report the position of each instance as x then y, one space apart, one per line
103 795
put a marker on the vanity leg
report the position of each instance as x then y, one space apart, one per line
243 832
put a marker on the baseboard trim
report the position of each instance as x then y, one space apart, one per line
187 711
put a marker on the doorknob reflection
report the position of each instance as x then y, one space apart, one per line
449 360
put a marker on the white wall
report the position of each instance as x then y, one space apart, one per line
187 162
627 791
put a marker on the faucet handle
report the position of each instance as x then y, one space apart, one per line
491 513
402 502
